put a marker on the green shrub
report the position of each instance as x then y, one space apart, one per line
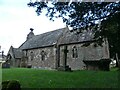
4 84
11 85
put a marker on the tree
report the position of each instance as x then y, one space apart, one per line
77 14
87 14
110 28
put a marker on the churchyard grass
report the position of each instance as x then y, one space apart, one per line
36 78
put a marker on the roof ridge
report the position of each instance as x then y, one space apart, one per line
51 31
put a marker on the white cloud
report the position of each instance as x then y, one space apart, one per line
15 20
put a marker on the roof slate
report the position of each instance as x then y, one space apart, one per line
43 40
17 53
60 36
72 37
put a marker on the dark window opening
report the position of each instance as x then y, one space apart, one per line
43 55
74 52
32 56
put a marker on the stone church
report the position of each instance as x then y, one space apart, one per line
60 49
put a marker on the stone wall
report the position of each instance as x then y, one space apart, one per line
83 53
17 62
96 53
42 58
75 63
46 57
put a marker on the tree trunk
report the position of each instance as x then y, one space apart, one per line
117 60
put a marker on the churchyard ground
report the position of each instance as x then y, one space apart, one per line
36 78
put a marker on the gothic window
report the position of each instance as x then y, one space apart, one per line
32 55
43 55
74 52
26 53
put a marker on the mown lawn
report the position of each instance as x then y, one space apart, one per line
36 78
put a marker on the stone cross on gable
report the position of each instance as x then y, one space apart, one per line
65 56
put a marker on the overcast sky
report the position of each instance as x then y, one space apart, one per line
16 18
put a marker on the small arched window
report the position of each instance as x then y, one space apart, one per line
74 52
31 55
43 55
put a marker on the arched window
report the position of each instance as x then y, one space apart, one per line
74 52
43 55
31 55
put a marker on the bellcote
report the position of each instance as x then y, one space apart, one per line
31 34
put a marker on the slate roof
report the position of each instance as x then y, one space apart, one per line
52 37
72 37
15 52
43 40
